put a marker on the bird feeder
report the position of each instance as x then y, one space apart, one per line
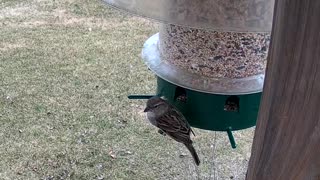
209 57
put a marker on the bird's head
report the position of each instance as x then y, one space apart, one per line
156 105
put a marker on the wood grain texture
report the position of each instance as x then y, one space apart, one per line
287 139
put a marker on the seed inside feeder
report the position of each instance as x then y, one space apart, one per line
214 54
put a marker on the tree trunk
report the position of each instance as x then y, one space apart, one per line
287 139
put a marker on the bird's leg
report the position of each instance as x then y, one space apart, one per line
161 132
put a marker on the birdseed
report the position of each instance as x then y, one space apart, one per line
214 54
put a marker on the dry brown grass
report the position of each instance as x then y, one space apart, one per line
66 69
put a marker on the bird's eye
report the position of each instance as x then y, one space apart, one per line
157 105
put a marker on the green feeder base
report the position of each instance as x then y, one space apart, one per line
210 111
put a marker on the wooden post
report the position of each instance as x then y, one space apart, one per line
287 139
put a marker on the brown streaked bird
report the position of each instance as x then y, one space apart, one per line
169 120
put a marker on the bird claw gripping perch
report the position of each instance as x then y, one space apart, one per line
161 132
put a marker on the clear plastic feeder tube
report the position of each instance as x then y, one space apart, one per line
218 15
214 54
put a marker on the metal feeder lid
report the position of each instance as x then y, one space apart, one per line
218 15
175 75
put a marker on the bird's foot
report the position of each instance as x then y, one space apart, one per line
161 132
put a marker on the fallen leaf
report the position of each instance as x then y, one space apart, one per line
129 152
182 155
101 177
112 154
99 166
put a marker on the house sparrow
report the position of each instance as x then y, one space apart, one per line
169 120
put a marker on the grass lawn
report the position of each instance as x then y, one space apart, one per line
66 67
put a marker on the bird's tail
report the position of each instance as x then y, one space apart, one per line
193 153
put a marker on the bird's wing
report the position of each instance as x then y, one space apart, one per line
175 125
185 122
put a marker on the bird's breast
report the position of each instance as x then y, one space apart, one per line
152 118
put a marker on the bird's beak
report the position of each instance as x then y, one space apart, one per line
146 109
